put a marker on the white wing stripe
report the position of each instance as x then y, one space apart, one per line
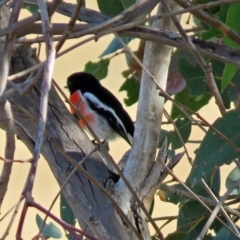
99 104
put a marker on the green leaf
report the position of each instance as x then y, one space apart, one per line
178 235
234 90
199 93
49 230
191 227
192 209
192 215
184 126
194 77
232 177
151 208
98 69
66 212
216 226
132 88
213 180
115 45
113 7
128 3
31 8
213 32
233 22
228 74
225 234
193 103
110 7
218 68
212 10
214 151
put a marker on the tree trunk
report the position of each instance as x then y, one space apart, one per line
92 208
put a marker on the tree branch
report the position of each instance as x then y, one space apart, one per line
5 106
142 155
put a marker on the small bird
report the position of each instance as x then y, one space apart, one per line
100 108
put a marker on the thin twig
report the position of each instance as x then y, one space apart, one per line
5 105
39 65
70 25
95 182
195 196
46 85
179 136
109 158
27 21
64 184
188 195
165 218
12 218
212 21
181 107
14 161
222 209
71 229
216 210
205 67
81 169
23 87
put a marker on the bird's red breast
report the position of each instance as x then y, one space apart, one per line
80 103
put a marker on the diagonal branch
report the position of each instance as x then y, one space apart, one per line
70 25
213 21
5 105
45 88
142 155
205 67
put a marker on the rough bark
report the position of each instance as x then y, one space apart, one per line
93 210
149 114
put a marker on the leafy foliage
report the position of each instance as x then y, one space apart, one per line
32 9
225 234
192 91
98 69
112 8
233 176
67 214
132 88
49 230
234 24
115 45
214 150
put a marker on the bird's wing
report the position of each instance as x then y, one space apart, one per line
114 121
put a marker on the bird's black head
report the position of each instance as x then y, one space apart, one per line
81 81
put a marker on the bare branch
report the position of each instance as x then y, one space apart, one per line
209 49
46 85
213 21
205 67
70 25
188 195
216 210
5 107
141 158
212 195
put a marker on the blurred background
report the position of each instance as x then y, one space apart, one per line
46 186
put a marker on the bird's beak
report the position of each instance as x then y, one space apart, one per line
66 87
